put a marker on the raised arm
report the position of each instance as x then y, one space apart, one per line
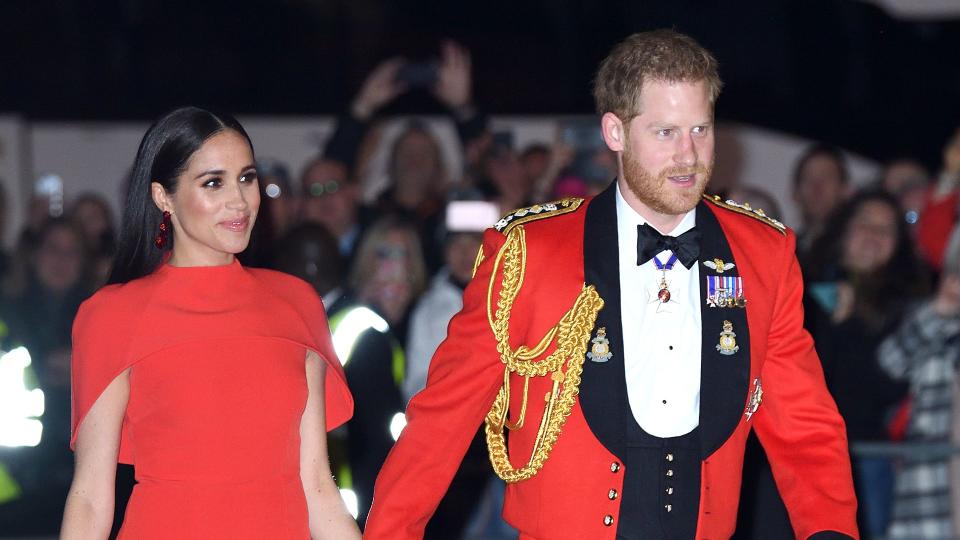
89 509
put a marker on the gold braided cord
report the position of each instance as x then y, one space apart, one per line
477 261
513 426
571 336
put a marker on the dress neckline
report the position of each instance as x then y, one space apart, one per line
219 270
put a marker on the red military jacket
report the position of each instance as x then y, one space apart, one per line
772 384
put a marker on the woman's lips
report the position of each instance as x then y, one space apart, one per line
236 225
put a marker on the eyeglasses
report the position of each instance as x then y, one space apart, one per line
319 189
392 252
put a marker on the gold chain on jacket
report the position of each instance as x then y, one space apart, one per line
571 335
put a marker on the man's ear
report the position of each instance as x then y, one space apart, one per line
613 131
159 196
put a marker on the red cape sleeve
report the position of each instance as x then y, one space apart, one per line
101 343
338 400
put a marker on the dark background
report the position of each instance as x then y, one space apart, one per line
838 70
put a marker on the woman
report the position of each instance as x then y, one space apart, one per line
369 323
92 214
861 281
39 317
217 382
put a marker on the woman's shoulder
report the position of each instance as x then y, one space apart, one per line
117 304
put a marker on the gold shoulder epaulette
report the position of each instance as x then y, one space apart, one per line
537 211
745 209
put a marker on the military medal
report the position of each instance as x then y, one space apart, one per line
728 340
664 293
600 351
755 398
725 291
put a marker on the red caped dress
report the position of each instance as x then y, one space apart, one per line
217 391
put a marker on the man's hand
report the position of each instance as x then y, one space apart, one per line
454 78
380 87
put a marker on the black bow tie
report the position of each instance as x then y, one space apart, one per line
650 242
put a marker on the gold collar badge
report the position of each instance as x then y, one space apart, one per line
600 351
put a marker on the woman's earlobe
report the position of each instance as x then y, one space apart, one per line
159 196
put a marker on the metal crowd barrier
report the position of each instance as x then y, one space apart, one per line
917 450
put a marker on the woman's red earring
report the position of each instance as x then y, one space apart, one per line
162 238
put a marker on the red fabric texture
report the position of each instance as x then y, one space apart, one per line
217 393
933 229
797 421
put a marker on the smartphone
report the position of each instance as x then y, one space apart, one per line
825 293
422 74
49 187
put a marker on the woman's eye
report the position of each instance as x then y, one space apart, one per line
249 177
212 183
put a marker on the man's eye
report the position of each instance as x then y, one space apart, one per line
664 133
700 130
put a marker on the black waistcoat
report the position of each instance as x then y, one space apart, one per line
645 500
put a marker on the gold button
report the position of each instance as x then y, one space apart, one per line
669 472
669 457
669 491
668 507
608 520
614 467
612 494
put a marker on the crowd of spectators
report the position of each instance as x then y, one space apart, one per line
882 287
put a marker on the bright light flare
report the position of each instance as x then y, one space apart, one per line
354 323
350 501
397 423
20 409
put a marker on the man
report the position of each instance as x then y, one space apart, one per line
332 199
630 367
820 186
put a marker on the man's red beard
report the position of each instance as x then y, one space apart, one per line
653 190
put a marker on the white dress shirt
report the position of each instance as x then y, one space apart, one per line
661 342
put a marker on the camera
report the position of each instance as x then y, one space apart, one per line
421 74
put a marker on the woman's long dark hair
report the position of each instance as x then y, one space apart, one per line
881 295
163 155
